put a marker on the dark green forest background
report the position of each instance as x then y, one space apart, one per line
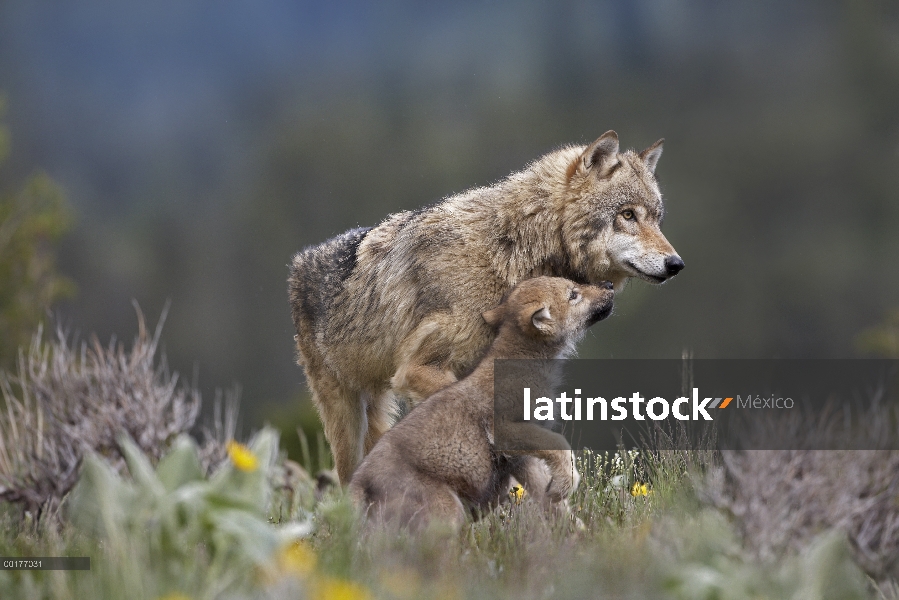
201 144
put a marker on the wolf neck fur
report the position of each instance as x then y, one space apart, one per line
511 345
537 248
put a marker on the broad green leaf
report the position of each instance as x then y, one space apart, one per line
181 465
140 468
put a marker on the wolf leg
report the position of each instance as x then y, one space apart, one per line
399 497
419 373
442 506
343 416
417 382
445 506
565 477
381 417
537 441
534 476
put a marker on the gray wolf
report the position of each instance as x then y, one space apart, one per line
395 310
440 459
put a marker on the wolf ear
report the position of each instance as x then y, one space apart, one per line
494 316
542 320
651 155
602 155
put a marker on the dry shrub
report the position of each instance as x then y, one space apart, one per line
66 399
781 499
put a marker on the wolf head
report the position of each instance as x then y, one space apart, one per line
552 311
613 214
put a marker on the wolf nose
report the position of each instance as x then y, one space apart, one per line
606 285
673 264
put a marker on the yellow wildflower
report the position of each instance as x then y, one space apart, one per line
327 588
297 559
517 494
175 596
639 489
242 457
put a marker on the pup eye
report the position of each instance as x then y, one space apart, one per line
628 214
574 295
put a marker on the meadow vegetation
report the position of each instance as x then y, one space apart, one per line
163 516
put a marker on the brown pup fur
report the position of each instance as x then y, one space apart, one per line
395 310
441 458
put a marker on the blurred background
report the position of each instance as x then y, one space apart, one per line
194 146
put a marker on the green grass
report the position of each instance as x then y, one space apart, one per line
664 544
670 524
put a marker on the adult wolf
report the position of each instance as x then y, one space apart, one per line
396 309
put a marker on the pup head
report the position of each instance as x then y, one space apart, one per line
613 215
552 310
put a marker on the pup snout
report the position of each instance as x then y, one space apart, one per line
673 265
601 304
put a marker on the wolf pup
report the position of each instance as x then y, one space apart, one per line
441 456
395 310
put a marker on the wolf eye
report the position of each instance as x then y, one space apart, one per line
628 214
574 295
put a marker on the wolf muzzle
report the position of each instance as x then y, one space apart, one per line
673 265
602 307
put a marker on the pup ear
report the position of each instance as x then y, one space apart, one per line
651 155
542 320
602 155
494 316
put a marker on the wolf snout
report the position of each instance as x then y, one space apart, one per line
601 306
607 285
673 265
600 311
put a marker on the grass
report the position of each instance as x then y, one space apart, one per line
664 544
164 517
